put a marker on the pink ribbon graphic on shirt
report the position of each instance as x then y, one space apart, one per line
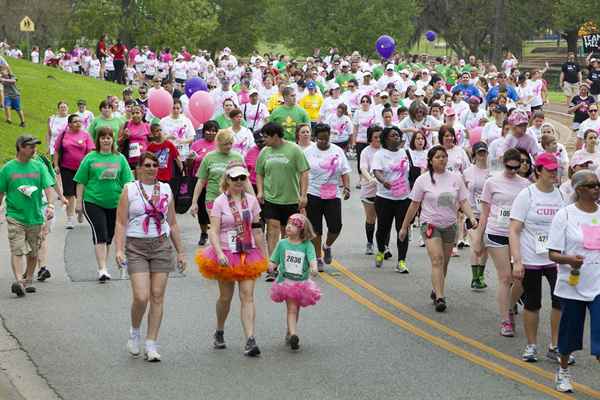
399 185
340 128
330 165
368 122
180 132
156 213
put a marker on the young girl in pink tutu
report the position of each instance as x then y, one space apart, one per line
294 258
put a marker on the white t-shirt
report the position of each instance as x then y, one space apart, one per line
419 158
588 124
475 178
495 153
341 127
536 88
326 169
95 68
428 121
180 70
57 126
574 232
86 118
458 160
567 190
140 62
491 132
524 92
363 119
255 115
536 209
395 166
471 119
593 157
182 129
35 57
137 209
243 140
151 67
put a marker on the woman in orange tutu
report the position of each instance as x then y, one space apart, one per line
236 252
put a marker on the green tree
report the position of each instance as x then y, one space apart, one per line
153 22
304 25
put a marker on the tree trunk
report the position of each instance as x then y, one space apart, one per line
498 35
571 37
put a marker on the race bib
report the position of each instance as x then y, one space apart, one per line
503 217
135 150
541 243
231 241
477 197
328 191
591 236
294 262
109 174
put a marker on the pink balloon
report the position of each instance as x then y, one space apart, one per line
202 106
195 122
475 135
160 103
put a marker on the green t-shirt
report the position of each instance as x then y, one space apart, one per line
212 168
103 175
288 118
293 260
281 168
23 184
342 80
280 65
378 72
48 164
99 122
225 123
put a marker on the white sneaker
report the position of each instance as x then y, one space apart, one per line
530 353
563 381
151 352
103 276
134 343
70 223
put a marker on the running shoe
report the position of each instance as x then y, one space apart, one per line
563 381
440 304
70 224
387 254
251 349
432 295
29 288
43 274
379 257
506 329
401 267
466 243
103 276
270 277
294 342
477 284
481 282
17 289
327 256
421 242
530 354
151 352
455 252
320 266
134 343
554 355
460 244
219 342
369 249
203 239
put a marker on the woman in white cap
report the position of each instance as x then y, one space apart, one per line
331 102
255 112
530 219
576 164
237 252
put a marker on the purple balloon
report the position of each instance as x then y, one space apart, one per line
430 35
194 85
385 46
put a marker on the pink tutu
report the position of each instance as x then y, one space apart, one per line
247 267
305 293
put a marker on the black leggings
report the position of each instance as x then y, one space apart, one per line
359 148
119 76
388 211
203 218
102 220
532 287
330 209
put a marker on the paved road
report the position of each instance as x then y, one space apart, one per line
374 335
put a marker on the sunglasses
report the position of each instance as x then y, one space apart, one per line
364 102
151 165
241 178
593 110
512 167
595 185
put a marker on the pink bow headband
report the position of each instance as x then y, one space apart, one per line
297 220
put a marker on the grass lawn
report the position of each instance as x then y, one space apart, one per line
41 89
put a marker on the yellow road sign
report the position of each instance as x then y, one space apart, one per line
27 25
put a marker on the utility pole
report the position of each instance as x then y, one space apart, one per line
498 33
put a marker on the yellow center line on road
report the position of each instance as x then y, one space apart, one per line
444 344
455 334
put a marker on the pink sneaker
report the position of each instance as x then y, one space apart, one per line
506 329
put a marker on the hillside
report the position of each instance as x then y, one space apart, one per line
41 88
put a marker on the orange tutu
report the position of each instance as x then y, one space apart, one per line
241 267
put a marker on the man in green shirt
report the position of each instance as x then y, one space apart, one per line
22 181
344 76
281 181
288 115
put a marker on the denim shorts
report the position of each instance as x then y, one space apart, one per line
572 323
12 102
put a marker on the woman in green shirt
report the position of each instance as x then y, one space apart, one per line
100 180
213 167
106 118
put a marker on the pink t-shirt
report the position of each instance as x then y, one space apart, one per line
475 178
221 210
439 201
74 147
525 142
499 192
138 139
201 147
458 160
250 159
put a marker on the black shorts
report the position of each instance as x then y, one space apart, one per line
68 184
532 286
331 209
279 212
203 218
102 220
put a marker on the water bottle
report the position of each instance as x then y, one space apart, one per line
574 277
123 270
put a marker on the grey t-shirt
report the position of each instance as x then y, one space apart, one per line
10 89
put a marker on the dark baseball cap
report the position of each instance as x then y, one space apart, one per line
81 102
25 140
501 108
480 146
